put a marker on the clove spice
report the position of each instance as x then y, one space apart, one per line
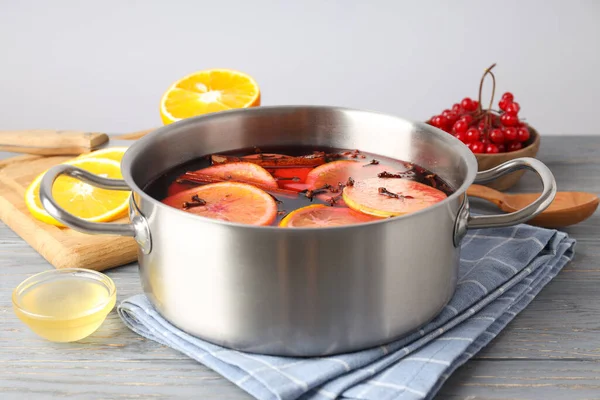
196 202
333 199
373 162
311 193
386 174
383 191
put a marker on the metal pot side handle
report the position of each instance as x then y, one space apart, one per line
525 214
56 211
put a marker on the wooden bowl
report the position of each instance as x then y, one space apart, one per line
487 161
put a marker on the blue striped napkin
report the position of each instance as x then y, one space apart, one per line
501 271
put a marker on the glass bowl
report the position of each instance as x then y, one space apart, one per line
64 305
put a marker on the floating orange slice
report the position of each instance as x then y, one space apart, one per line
319 215
227 201
337 172
377 196
244 171
208 91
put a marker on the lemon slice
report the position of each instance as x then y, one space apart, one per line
81 199
111 153
208 91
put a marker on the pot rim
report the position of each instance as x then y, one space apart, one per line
134 151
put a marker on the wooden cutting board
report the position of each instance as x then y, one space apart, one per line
62 247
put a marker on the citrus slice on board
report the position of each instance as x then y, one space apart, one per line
208 91
390 197
243 171
79 198
112 153
319 215
227 201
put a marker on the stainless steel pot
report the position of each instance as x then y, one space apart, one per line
299 292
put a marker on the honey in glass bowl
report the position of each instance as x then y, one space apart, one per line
64 305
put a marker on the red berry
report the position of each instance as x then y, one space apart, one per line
477 147
523 134
491 149
472 135
461 136
515 146
497 136
509 119
451 116
468 104
502 104
508 96
457 108
468 118
510 134
439 121
475 104
512 108
460 126
485 137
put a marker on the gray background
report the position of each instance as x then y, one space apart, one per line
103 65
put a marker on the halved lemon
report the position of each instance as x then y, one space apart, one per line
208 91
111 153
80 199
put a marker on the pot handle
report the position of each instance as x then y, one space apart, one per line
525 214
70 220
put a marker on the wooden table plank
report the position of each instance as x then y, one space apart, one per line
549 351
558 380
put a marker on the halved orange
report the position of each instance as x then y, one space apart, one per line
227 201
366 196
245 171
208 91
319 215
